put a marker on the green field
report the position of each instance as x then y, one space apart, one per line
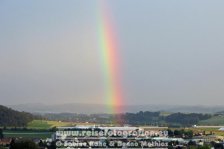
27 134
215 120
36 129
43 124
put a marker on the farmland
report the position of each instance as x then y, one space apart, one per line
215 120
44 124
27 134
37 129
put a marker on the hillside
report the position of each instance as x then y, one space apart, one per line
12 118
220 112
215 120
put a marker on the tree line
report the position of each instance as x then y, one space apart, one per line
139 118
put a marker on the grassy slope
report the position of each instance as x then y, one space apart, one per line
15 134
215 120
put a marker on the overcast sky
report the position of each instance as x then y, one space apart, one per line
172 52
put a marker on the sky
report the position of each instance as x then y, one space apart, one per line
171 52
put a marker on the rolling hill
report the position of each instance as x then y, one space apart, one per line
13 118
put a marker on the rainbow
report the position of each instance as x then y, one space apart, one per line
110 60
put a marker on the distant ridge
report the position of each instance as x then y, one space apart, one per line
100 108
220 112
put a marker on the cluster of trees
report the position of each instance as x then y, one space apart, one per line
139 118
1 134
188 134
12 118
26 144
142 118
29 144
175 119
155 118
186 119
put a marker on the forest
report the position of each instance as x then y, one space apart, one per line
13 118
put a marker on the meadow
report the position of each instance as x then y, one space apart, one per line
214 120
44 124
35 129
38 129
